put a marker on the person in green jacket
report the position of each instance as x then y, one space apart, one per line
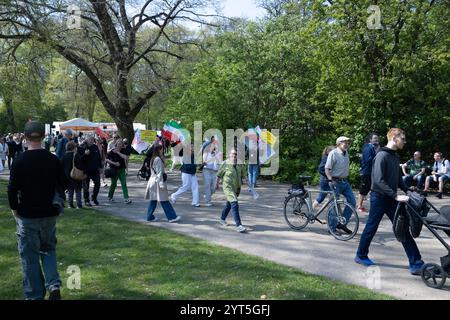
231 175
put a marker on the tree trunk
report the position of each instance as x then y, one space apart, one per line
125 127
10 115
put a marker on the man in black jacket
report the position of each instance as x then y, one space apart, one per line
35 175
386 179
12 150
92 162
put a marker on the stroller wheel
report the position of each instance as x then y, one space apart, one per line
433 275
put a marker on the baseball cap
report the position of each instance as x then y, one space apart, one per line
342 139
34 129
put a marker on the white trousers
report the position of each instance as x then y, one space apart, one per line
190 182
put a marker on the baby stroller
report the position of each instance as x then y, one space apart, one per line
417 211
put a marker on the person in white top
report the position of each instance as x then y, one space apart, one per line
3 153
440 174
211 162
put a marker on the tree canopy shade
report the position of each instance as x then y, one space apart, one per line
106 44
315 71
311 68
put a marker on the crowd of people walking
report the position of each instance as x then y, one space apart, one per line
42 178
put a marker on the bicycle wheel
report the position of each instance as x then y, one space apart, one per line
343 225
296 211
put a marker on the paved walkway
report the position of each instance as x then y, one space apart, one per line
311 250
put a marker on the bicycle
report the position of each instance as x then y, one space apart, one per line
298 212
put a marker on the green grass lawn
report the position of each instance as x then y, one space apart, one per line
136 158
120 259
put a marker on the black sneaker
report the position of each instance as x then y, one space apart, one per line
439 195
87 204
71 205
95 201
55 294
424 193
344 228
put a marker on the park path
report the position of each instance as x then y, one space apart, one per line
312 250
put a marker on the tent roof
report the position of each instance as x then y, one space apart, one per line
78 124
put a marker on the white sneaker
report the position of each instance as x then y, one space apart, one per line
196 205
175 220
209 204
241 229
223 222
127 201
154 220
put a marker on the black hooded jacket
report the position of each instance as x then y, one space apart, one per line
386 173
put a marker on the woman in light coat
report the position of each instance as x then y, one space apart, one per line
157 188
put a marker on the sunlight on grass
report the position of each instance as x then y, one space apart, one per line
120 259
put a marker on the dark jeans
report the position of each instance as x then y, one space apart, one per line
234 207
379 206
37 244
10 161
167 207
344 188
324 186
96 179
409 180
75 188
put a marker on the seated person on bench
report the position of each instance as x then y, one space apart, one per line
440 174
416 168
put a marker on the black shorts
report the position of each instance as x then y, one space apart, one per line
364 188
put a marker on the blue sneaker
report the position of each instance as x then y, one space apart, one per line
416 268
365 262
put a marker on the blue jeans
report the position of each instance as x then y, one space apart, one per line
167 207
253 172
380 205
323 187
344 188
409 179
37 244
209 178
234 207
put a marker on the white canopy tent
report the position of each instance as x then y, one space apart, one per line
78 124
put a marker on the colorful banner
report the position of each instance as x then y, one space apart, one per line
266 142
173 131
148 136
138 144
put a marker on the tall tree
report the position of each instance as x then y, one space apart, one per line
103 42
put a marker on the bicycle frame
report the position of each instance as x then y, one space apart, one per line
333 200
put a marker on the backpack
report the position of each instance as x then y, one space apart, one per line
435 165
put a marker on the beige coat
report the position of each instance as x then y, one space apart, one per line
156 187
